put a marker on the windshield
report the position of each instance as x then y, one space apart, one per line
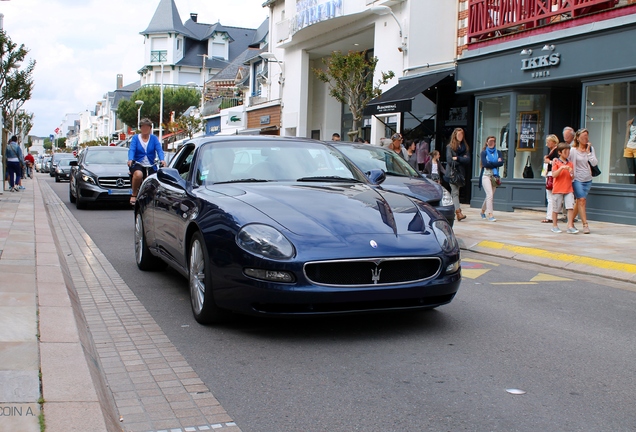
368 157
64 162
272 161
107 157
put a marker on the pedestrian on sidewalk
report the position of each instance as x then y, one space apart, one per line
434 168
551 143
583 157
29 161
15 161
490 161
562 173
457 158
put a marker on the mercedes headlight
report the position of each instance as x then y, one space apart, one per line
445 237
447 198
265 241
88 179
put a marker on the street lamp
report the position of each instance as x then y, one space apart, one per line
140 103
271 58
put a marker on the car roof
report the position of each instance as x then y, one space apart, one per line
106 148
249 138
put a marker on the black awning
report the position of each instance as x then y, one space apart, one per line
399 97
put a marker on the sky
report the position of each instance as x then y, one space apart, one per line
81 46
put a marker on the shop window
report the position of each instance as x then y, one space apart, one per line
493 120
608 108
529 140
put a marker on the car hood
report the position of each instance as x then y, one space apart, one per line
334 209
417 188
107 170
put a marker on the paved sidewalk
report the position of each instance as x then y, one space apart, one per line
106 365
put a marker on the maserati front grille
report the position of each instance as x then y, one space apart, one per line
372 271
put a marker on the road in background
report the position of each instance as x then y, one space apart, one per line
567 340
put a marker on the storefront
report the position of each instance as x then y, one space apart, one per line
526 92
213 125
264 120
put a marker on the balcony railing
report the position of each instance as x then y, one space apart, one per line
493 18
158 56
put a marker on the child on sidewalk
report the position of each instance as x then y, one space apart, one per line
562 173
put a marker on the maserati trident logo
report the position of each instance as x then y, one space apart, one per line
375 275
120 182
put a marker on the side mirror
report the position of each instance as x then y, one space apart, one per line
171 176
73 163
376 176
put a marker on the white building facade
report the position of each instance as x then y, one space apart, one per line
412 38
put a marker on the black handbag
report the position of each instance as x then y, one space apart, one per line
596 171
527 171
455 176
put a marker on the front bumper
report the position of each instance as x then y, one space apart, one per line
88 192
253 297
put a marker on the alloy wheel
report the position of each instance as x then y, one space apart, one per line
197 276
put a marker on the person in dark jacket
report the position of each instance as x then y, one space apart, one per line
457 158
15 161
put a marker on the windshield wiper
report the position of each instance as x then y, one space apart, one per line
245 180
328 178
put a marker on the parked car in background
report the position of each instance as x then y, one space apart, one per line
400 176
55 158
63 169
38 163
272 226
46 165
100 174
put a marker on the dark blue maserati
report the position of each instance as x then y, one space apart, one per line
290 227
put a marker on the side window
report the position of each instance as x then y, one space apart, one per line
183 161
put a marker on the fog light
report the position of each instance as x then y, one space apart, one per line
452 268
270 275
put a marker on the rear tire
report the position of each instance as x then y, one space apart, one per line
144 258
204 308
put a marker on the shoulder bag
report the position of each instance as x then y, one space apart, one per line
527 171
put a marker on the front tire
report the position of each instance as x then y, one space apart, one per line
71 197
144 258
204 308
57 178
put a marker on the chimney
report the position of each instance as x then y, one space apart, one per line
193 17
120 81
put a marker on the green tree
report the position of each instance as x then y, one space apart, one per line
16 79
350 80
23 123
177 99
190 124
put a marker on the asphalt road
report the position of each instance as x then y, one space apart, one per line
567 340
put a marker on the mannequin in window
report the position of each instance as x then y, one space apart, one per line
630 149
503 148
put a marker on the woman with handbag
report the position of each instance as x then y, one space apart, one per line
583 159
489 178
550 154
457 157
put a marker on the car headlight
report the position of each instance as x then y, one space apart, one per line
444 235
88 179
265 241
447 198
59 171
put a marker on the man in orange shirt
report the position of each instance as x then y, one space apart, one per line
562 191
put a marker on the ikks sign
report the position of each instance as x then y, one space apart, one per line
543 62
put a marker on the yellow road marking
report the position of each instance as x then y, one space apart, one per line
480 261
473 273
594 262
513 283
542 277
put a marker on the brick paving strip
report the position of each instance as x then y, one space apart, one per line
141 378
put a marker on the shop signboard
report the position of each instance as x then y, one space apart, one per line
309 12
